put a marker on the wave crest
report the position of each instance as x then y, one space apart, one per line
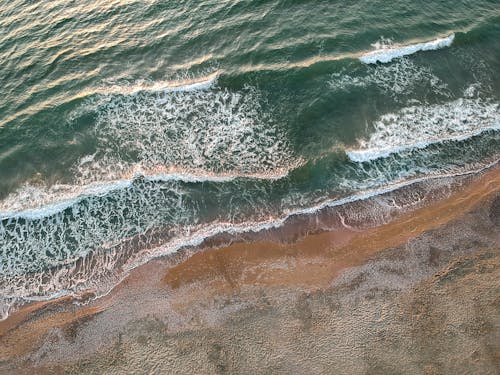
387 52
419 126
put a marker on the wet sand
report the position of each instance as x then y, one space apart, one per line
416 292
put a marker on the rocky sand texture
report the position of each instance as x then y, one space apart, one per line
418 294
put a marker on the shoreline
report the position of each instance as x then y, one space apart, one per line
290 227
297 226
308 254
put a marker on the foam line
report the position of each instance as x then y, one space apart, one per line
387 54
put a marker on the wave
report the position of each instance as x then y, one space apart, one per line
418 127
387 52
185 130
37 201
177 85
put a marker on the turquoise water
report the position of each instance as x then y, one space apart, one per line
163 123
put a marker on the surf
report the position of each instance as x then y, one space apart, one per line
417 127
35 202
387 52
107 268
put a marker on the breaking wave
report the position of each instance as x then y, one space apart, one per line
191 132
417 127
386 51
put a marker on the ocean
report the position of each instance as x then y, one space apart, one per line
131 129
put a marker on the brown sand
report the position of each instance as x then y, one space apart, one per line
343 247
219 292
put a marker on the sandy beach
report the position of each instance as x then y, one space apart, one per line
382 291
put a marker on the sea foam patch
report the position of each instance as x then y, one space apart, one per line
386 52
398 80
420 126
32 243
200 129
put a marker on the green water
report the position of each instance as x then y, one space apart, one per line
119 120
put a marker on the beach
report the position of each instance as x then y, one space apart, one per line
415 294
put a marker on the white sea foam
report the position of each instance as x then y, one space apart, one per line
388 52
420 126
398 80
197 130
36 242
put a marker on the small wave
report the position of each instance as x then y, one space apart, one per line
420 126
176 85
387 52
